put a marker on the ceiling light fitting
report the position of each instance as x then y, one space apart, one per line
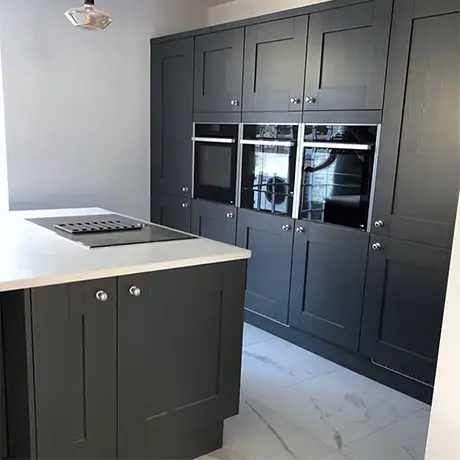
88 17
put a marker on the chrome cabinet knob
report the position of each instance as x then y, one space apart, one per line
235 103
185 205
300 230
379 224
230 215
135 291
286 228
185 189
377 247
102 296
310 100
295 100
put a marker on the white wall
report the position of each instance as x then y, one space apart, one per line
242 9
445 421
77 103
4 198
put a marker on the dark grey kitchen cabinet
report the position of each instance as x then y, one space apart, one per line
347 57
171 211
274 63
179 359
270 238
418 177
404 304
219 71
172 116
214 221
61 371
327 285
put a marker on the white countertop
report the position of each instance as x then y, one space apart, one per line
31 256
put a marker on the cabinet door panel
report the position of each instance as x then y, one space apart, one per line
269 269
347 56
418 176
74 340
179 356
274 65
172 116
219 71
404 304
214 221
327 288
171 211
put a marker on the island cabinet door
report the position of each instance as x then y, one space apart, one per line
180 335
74 352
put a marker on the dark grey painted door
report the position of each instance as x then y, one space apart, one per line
347 57
219 71
327 286
418 175
74 349
404 305
214 221
274 63
172 116
171 211
270 239
179 357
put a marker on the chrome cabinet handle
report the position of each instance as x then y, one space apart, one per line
230 215
286 228
135 291
102 296
300 230
379 224
295 100
185 189
377 247
185 205
310 100
235 103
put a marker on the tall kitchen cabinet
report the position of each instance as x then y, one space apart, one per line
418 182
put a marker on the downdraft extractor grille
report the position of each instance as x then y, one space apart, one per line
101 226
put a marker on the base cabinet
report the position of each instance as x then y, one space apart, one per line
327 284
171 211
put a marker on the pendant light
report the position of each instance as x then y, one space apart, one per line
89 18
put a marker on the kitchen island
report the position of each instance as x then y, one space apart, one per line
131 351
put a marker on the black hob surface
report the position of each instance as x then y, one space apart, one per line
107 230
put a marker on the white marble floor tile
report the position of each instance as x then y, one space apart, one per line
260 434
274 364
253 335
338 456
403 440
341 407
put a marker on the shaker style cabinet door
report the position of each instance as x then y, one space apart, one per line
75 369
214 221
270 239
347 57
180 335
171 211
327 286
274 64
403 307
172 117
418 176
219 71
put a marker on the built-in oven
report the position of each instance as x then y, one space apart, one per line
268 167
335 174
215 162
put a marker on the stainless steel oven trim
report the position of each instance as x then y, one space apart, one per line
193 161
374 179
239 167
298 173
337 145
340 124
274 143
214 140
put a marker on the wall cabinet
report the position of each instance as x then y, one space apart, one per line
219 71
172 116
274 65
404 304
171 211
270 239
347 57
214 221
418 178
327 285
